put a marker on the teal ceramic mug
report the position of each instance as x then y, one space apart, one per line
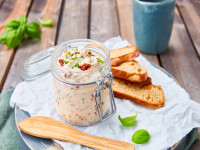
153 21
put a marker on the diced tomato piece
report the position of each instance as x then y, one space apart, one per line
85 67
61 62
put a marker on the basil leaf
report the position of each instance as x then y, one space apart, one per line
21 31
22 19
33 30
89 56
141 136
46 22
12 40
4 35
12 24
128 121
99 60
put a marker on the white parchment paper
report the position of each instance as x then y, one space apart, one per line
166 125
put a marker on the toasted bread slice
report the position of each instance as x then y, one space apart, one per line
143 93
124 54
130 71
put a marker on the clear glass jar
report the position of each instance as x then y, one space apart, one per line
85 97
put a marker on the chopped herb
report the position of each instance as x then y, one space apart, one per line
75 65
99 60
101 68
89 56
82 57
66 62
77 49
74 58
69 53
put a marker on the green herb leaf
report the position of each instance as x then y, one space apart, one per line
12 40
128 121
82 57
22 19
12 37
141 136
4 35
33 30
89 56
21 31
74 58
76 65
68 53
46 22
99 60
66 62
77 49
14 24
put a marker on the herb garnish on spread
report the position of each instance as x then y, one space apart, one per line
79 58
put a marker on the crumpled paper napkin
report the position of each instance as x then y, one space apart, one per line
166 125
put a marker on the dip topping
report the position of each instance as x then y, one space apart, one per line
80 59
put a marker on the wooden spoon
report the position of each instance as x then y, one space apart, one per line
45 127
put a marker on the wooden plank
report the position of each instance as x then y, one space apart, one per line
40 9
196 144
9 11
104 24
181 59
1 2
74 21
190 11
21 8
125 18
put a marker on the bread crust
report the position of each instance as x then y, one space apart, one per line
147 84
132 77
125 75
139 101
125 57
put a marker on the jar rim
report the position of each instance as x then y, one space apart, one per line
54 62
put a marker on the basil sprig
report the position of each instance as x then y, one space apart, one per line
141 136
46 22
15 31
128 121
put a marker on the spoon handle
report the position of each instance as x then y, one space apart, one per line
45 127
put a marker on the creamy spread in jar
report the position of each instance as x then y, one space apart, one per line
76 103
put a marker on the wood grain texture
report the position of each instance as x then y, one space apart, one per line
1 2
125 18
181 60
49 128
40 9
74 21
190 11
9 10
104 24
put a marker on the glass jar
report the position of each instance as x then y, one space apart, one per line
84 97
